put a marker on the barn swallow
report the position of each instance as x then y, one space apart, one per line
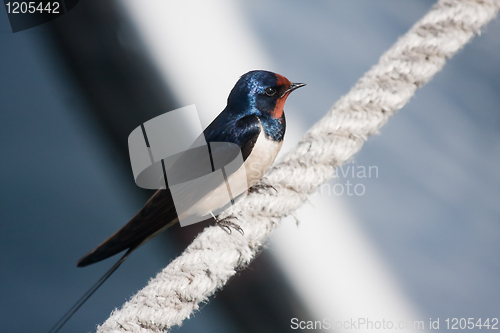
253 120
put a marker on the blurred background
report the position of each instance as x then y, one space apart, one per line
415 237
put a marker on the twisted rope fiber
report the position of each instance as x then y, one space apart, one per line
214 256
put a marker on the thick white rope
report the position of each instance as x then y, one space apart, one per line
214 256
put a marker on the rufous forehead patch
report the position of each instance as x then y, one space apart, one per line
282 80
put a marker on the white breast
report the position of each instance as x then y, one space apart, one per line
255 166
261 158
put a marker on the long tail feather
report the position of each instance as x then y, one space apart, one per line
89 293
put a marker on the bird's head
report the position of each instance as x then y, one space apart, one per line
261 92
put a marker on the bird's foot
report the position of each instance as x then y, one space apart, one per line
227 225
257 188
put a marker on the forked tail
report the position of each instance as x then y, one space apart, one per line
89 293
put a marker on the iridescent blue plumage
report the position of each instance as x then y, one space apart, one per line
254 105
249 98
254 120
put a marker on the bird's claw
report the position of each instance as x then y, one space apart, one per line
258 187
227 225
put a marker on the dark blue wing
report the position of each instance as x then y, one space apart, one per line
242 131
159 211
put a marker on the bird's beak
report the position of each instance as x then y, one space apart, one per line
293 86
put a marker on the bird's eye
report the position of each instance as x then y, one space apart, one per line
270 91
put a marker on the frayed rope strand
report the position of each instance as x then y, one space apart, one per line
214 256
